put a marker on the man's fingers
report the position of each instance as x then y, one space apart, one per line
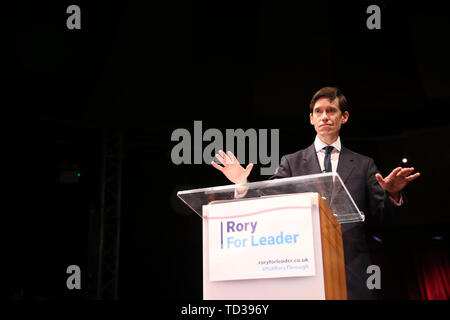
413 177
220 158
404 172
394 172
225 157
249 168
380 179
215 165
232 157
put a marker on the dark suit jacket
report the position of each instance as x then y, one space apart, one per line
358 174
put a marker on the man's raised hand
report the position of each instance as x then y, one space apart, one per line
397 180
231 167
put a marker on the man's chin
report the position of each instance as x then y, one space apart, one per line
326 131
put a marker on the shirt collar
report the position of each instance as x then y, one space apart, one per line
319 144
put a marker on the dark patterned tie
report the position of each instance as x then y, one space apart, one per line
327 162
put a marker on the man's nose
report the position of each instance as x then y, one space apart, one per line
324 116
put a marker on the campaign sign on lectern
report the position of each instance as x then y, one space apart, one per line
268 238
276 239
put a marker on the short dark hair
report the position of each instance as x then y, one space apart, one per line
330 93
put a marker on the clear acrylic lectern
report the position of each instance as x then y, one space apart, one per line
328 185
231 270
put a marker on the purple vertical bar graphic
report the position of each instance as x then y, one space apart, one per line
221 235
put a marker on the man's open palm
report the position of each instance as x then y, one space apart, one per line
231 167
397 179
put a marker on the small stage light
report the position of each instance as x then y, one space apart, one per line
377 239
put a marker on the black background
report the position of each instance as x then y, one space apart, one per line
146 69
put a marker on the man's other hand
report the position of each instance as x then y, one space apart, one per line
231 167
397 180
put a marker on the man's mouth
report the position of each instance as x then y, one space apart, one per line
324 125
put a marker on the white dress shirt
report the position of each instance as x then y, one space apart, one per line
319 145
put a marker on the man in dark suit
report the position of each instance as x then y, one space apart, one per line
379 198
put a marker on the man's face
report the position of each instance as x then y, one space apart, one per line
327 117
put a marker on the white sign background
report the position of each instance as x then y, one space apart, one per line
249 259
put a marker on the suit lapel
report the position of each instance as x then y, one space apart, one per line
310 161
345 164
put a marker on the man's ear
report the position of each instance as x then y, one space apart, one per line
345 117
310 118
